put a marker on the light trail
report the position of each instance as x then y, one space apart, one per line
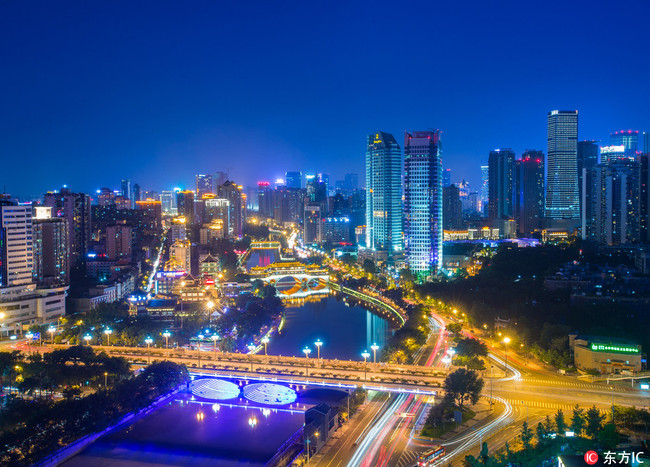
516 375
156 263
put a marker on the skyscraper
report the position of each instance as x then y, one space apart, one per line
529 191
446 177
646 142
629 139
485 186
265 199
562 172
383 195
75 207
452 208
293 179
203 185
185 205
644 197
236 205
501 166
423 201
615 202
51 252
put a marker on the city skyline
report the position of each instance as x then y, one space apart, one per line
146 105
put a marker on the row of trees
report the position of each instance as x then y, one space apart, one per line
546 441
34 428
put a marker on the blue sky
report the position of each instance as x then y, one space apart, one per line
93 92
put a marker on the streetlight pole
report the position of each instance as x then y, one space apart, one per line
506 341
265 341
166 335
108 332
318 344
87 338
251 347
365 356
105 380
307 351
51 330
374 348
29 337
148 340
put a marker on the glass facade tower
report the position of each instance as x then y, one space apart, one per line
562 200
423 229
383 195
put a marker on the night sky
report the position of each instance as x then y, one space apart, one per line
93 92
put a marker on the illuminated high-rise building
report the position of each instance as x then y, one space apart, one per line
501 165
75 207
562 200
383 194
51 252
237 206
529 191
446 177
485 186
185 205
203 185
293 179
423 229
629 139
644 197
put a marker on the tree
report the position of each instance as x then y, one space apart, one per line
469 347
462 386
549 426
541 433
526 435
483 456
560 423
454 328
578 421
594 422
369 266
608 437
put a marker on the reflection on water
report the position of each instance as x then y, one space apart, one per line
186 432
346 331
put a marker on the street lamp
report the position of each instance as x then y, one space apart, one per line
307 351
166 335
51 330
108 332
506 341
365 356
251 347
318 343
88 338
29 337
265 341
215 338
148 341
105 380
200 336
374 348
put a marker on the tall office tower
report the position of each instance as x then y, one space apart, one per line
562 172
485 186
501 165
587 159
127 189
185 205
312 228
293 179
383 194
452 208
423 230
217 209
265 199
325 179
75 207
288 205
351 181
236 202
16 246
51 252
646 142
615 201
220 178
446 177
529 191
119 242
151 214
644 197
203 185
137 193
629 139
168 203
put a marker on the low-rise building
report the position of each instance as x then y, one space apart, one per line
607 355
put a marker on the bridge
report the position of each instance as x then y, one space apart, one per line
293 279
